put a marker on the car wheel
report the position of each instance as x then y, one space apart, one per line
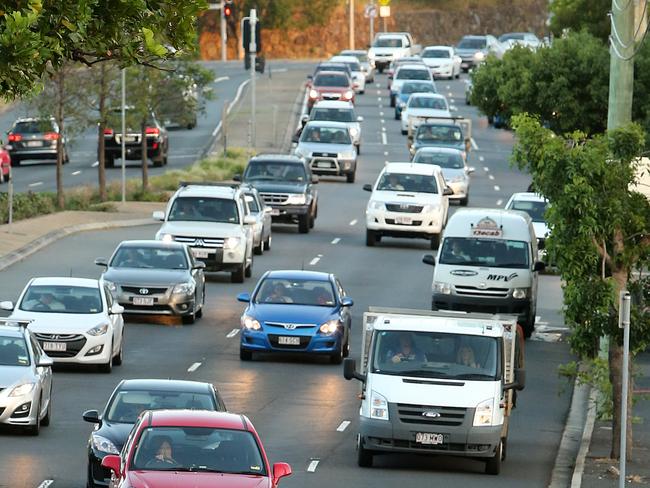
464 201
392 101
36 428
350 177
45 421
117 360
337 357
66 158
358 149
397 116
380 69
303 223
2 176
267 243
189 319
157 163
15 161
90 483
259 250
435 241
364 456
238 276
312 219
493 464
371 237
346 348
108 366
245 355
529 324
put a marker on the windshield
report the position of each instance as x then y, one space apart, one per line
62 299
477 43
326 135
418 88
408 182
439 133
13 351
199 209
149 257
362 56
428 102
387 42
412 74
435 355
296 292
436 53
509 37
206 449
275 170
333 114
443 159
495 253
536 210
126 405
331 80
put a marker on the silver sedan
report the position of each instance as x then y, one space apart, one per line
262 228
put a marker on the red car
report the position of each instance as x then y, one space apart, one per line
330 85
5 165
201 449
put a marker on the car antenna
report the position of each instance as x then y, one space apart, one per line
302 266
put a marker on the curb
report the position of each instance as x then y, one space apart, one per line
576 479
37 244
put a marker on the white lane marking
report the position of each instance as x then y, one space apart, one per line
384 141
497 188
381 106
343 426
75 173
386 162
313 465
491 177
353 222
383 129
95 164
232 333
379 99
32 185
481 158
336 240
450 94
451 100
377 85
383 121
45 484
240 89
279 70
314 261
381 114
499 202
221 78
453 108
448 87
485 168
474 145
385 153
194 367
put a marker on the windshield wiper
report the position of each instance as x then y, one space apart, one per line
510 265
473 376
425 374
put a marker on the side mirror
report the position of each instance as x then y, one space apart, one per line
112 462
280 470
158 215
250 220
520 381
304 120
470 170
541 244
117 309
314 179
199 265
367 187
347 302
360 118
268 210
236 177
244 297
350 370
447 191
8 306
91 416
429 259
101 262
539 266
45 362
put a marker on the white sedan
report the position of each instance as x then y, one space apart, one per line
421 105
442 61
74 319
358 76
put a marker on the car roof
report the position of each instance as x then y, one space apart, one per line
326 64
207 191
412 168
462 219
474 37
152 243
326 72
438 47
439 150
346 52
288 274
66 281
342 58
34 119
195 418
428 95
184 386
333 104
413 66
327 123
283 158
528 196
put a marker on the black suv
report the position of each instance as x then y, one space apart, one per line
35 138
156 134
285 183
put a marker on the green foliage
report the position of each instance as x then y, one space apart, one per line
576 15
593 373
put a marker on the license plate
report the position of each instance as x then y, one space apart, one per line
403 220
289 341
146 301
429 439
55 346
34 143
323 164
201 253
275 211
130 138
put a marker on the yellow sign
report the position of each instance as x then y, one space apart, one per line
384 3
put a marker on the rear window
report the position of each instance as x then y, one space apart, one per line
439 133
427 102
331 80
436 53
33 127
444 160
384 42
413 74
333 114
418 88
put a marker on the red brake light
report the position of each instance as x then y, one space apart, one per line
153 130
51 136
108 132
15 137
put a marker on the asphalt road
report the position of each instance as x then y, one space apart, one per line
299 404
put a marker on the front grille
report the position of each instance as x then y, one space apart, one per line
406 208
414 223
324 155
323 164
74 344
476 308
138 290
291 326
58 337
413 414
213 242
485 292
274 198
274 340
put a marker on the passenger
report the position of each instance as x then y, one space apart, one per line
46 301
466 357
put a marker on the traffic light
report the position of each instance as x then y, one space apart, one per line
246 37
228 9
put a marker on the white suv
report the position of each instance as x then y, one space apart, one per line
213 220
408 200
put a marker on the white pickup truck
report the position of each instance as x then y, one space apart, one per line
391 45
437 383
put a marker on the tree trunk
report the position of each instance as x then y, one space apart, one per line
60 88
101 140
145 159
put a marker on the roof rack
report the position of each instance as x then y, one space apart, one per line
9 322
226 184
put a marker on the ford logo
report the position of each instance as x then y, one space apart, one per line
290 326
144 291
432 414
463 272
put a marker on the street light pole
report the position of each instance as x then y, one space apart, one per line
624 323
224 39
123 135
252 49
351 24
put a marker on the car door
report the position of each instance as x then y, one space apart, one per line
199 277
44 373
442 184
346 313
116 320
248 229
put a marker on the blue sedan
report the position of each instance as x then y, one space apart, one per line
296 311
407 89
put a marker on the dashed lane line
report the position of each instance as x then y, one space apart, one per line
499 202
353 222
194 367
232 333
221 78
75 173
343 426
314 261
336 240
481 158
491 177
37 183
46 483
384 140
313 465
497 188
95 164
381 114
485 168
385 153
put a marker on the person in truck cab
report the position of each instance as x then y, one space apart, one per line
458 253
406 351
394 183
466 357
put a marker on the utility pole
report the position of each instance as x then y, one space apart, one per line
252 49
621 68
373 14
123 135
351 24
224 34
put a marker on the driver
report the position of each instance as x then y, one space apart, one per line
163 458
407 351
394 183
46 301
278 295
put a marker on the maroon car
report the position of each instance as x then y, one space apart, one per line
330 85
5 165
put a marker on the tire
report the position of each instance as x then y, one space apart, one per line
66 158
364 456
358 149
189 319
392 101
397 116
362 92
303 223
109 161
371 238
90 483
435 241
238 276
107 367
15 161
464 201
337 357
117 360
529 325
157 163
380 69
245 355
36 428
404 132
267 243
346 347
45 421
249 269
350 177
259 250
493 464
199 312
312 219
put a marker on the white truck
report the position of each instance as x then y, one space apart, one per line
387 46
437 383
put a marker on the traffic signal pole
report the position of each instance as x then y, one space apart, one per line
351 24
224 39
252 49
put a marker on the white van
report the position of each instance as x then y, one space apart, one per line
488 262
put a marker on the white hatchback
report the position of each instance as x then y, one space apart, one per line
423 105
74 319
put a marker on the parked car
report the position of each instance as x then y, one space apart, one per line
75 320
442 61
25 378
358 76
153 277
296 311
262 212
367 66
35 138
215 449
474 49
5 164
423 105
409 88
128 400
339 112
454 169
330 85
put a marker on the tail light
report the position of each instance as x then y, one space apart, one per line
155 145
152 131
51 136
313 93
15 137
108 132
348 95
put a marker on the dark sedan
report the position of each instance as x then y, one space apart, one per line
124 406
35 139
155 277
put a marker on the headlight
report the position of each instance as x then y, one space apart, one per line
165 237
231 242
479 56
431 208
297 199
457 179
378 406
440 287
250 323
376 205
99 330
111 286
313 94
330 326
354 132
348 95
184 289
520 293
23 389
402 105
347 155
102 444
298 152
483 413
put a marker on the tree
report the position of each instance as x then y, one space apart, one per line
38 36
601 234
278 14
577 15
